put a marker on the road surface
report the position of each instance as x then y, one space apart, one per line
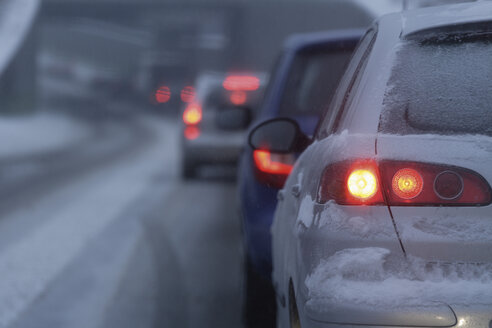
104 233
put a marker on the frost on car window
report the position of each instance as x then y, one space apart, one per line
441 84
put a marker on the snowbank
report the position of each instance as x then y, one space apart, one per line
38 133
72 217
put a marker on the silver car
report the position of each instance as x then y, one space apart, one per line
386 219
215 121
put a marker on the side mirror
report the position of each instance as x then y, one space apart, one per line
278 135
233 118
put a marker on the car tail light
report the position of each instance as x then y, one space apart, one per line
351 183
436 185
448 185
407 183
238 98
188 94
241 83
192 114
362 184
402 183
272 169
163 94
191 132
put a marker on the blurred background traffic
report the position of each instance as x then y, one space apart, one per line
122 124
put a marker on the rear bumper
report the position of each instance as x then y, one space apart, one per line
335 315
352 271
214 148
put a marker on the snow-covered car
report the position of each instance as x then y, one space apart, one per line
386 218
215 121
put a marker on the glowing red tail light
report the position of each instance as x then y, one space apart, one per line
192 114
400 183
272 169
238 98
188 94
241 83
351 183
163 94
191 132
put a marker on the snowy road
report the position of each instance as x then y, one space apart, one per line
104 234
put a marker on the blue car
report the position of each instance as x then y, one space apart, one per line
304 79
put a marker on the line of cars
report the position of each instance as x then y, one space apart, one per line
301 85
379 191
215 121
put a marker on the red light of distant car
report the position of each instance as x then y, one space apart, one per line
191 132
163 94
407 183
241 83
192 114
188 94
238 98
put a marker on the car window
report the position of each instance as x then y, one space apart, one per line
274 71
440 85
312 80
339 102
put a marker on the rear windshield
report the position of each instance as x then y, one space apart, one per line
312 80
441 85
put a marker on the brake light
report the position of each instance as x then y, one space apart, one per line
362 184
188 94
163 94
351 183
191 132
192 114
238 98
272 169
241 83
402 184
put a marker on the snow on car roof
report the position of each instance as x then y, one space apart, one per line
302 40
434 17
